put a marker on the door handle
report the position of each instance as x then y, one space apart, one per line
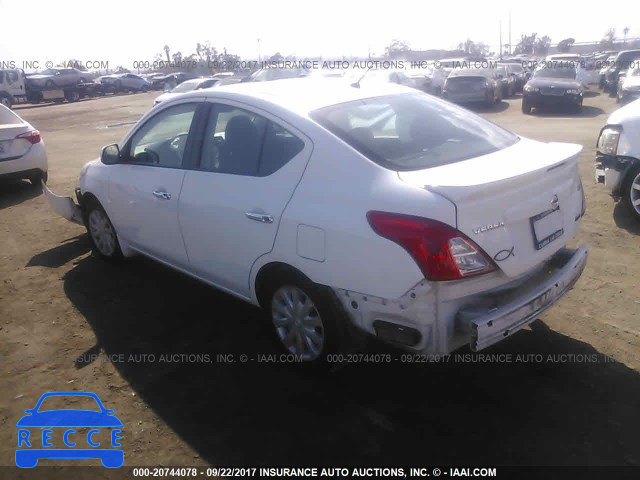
259 217
162 195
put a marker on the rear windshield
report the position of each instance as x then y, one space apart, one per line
412 131
7 117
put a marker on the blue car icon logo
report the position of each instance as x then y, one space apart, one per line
34 444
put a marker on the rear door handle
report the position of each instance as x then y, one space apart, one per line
259 217
162 195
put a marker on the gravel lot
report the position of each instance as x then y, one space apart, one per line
70 321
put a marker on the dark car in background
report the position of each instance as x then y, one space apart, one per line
553 85
622 62
171 80
470 85
507 80
519 73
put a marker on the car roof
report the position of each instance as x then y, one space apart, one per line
302 95
469 72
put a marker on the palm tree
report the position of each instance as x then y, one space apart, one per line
625 31
166 52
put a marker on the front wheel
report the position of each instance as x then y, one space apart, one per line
526 107
6 101
631 192
104 240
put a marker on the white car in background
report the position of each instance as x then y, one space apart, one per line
618 157
189 86
340 210
629 85
22 151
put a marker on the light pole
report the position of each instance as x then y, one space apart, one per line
259 57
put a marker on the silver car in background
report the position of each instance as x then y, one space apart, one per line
125 82
473 85
58 77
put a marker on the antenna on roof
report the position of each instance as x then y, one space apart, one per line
357 83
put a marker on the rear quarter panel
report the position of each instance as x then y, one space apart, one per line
337 190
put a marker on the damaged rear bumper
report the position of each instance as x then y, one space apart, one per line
487 326
64 206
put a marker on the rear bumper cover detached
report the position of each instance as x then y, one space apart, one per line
512 312
63 206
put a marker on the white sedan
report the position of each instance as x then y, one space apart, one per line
342 210
22 152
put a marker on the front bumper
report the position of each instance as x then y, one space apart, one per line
537 99
512 312
610 170
64 206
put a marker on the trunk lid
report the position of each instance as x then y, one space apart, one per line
10 146
520 204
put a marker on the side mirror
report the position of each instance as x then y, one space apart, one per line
110 154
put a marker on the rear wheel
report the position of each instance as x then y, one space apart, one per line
307 318
72 96
631 192
526 107
104 241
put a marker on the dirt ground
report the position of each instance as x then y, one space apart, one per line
71 322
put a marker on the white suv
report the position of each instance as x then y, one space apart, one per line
618 156
332 207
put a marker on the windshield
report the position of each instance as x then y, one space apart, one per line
412 131
184 87
515 67
555 72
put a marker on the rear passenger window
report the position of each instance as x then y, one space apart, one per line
279 147
240 142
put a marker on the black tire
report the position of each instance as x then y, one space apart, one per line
576 109
627 192
36 179
6 101
333 328
92 211
72 96
526 107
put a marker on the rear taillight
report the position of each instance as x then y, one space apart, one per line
441 251
33 136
